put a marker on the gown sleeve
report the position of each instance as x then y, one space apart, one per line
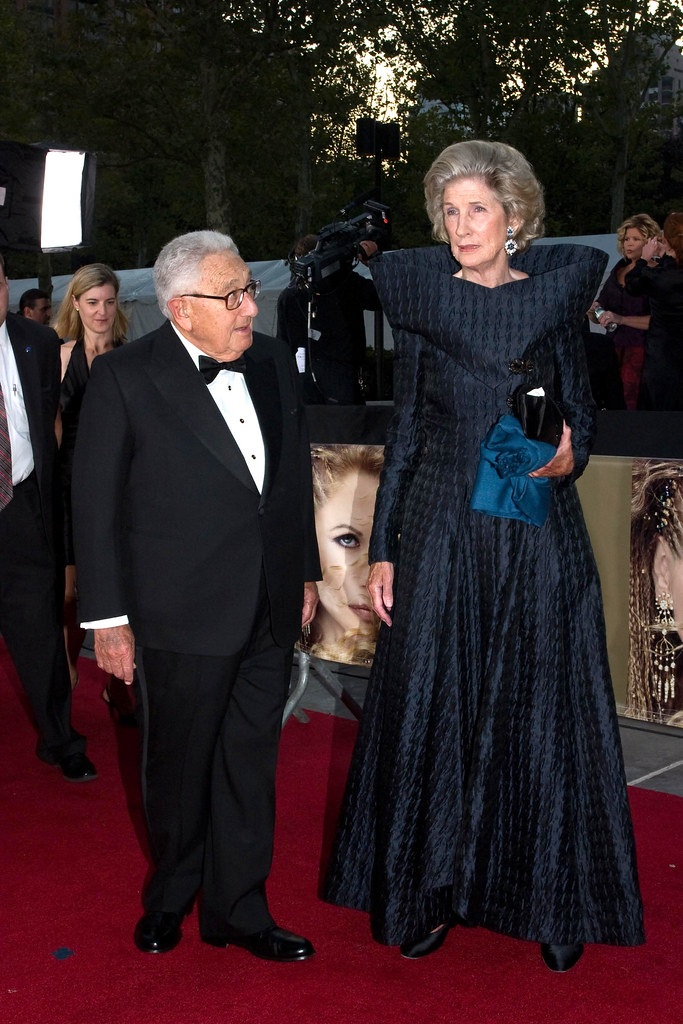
401 450
575 395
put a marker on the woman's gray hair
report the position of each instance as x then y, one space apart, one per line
178 267
503 169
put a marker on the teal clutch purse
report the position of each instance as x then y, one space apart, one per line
503 486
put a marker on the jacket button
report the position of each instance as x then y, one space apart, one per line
261 511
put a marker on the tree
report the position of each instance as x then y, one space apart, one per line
229 105
555 81
634 38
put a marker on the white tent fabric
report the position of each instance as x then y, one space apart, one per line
140 304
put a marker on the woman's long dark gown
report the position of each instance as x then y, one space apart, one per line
661 386
487 776
71 394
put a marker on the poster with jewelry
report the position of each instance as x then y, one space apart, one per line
345 480
655 676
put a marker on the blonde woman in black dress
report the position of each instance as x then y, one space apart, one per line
89 321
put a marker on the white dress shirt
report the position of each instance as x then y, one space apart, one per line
17 418
230 393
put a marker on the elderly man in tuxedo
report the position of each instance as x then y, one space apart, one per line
31 563
196 555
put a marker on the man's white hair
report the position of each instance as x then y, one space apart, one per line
178 266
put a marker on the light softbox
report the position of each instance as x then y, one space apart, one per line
46 197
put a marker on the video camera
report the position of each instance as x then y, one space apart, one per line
339 244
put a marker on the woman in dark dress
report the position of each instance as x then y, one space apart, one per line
89 321
662 381
487 782
630 313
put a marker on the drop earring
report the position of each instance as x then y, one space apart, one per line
663 650
510 246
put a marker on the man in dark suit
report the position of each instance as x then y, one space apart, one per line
195 540
31 570
330 350
36 305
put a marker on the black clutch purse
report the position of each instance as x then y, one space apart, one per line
540 417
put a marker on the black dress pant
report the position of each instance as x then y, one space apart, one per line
211 736
30 621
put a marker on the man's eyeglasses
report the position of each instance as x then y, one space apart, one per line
233 300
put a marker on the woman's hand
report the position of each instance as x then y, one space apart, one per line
652 249
608 317
310 603
381 589
562 461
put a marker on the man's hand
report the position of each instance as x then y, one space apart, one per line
367 250
115 651
310 603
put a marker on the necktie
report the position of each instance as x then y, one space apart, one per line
210 368
6 488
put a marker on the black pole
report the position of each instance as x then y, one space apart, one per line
383 141
379 314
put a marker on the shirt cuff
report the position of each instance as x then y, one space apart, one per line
116 620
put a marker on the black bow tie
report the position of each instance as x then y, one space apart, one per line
210 368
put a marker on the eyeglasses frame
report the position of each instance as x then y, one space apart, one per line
254 289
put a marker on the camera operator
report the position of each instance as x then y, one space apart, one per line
330 354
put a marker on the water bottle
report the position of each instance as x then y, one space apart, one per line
610 327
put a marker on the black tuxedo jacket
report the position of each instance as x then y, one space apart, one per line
36 350
169 527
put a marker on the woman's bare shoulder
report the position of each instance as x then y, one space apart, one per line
65 351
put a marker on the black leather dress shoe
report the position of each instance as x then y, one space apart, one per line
561 958
426 944
77 768
272 944
158 932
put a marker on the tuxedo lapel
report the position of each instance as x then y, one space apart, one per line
174 375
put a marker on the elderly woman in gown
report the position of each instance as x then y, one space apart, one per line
487 782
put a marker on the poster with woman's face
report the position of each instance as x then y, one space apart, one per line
345 479
655 684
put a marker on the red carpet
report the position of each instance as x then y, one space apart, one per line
72 868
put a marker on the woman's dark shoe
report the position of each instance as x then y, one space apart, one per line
77 768
561 958
427 943
121 701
